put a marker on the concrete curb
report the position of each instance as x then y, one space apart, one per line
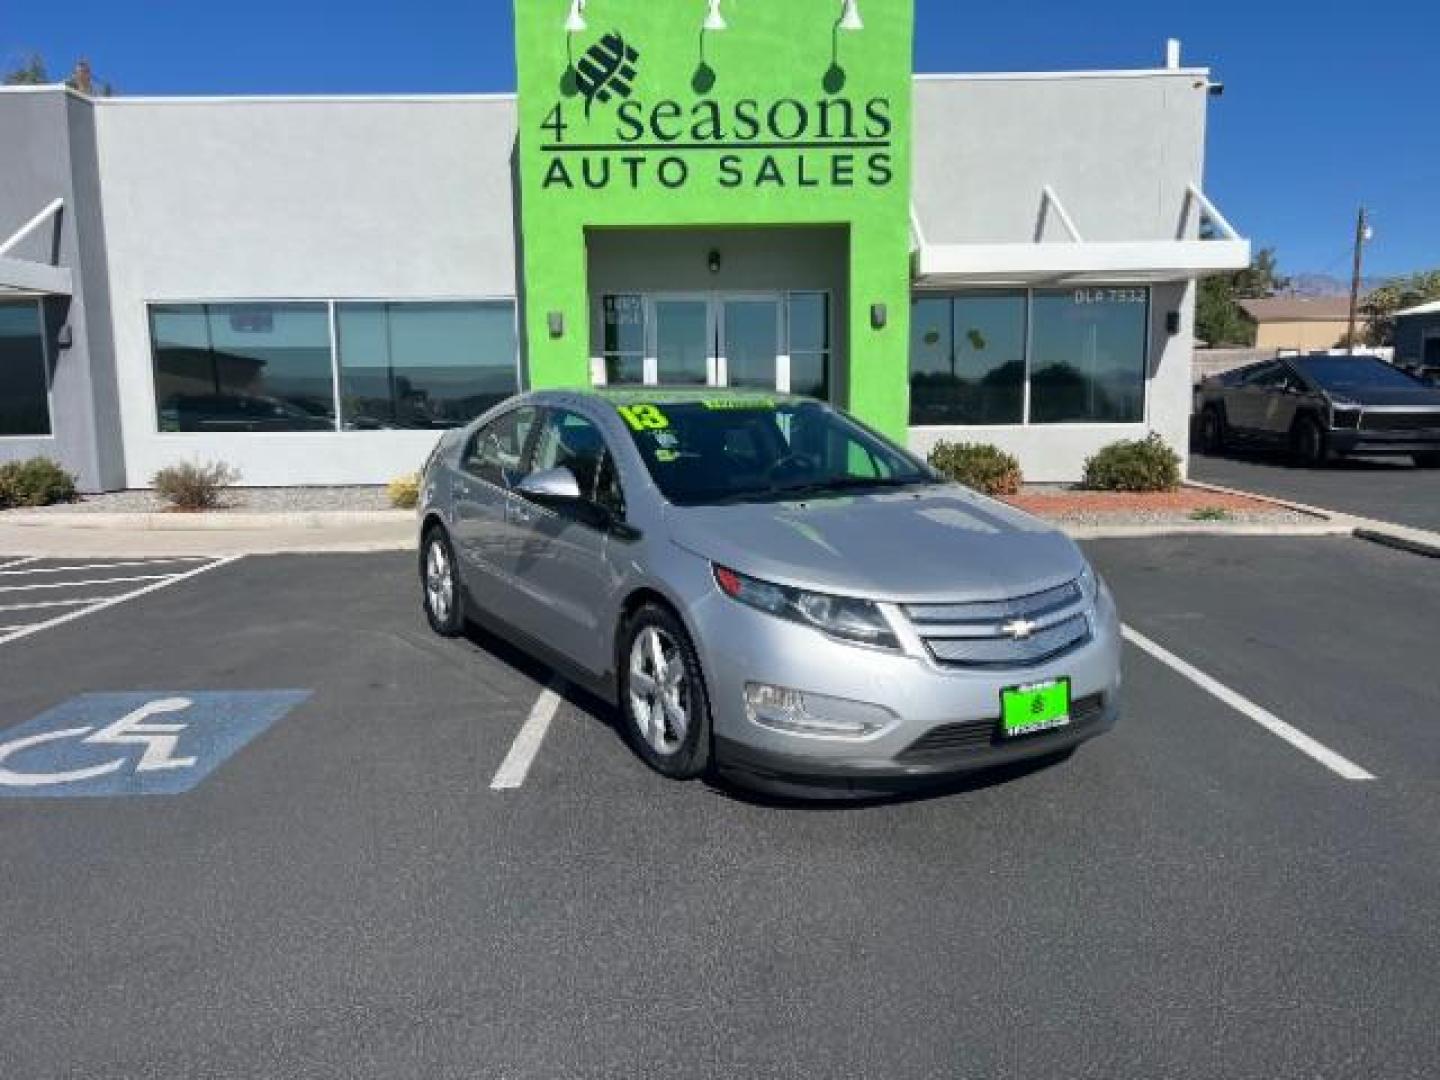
1387 533
1182 528
216 521
1299 508
1413 541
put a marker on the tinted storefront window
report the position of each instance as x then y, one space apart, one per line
1088 355
1086 362
967 359
423 365
810 344
243 367
24 400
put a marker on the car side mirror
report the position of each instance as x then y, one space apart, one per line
557 484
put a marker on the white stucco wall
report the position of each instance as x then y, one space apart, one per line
1119 149
297 199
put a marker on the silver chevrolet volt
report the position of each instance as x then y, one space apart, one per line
767 588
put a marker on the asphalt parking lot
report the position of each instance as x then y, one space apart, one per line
1386 489
345 892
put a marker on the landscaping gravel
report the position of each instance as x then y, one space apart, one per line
249 500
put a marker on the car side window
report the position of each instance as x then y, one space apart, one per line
569 440
1273 378
496 452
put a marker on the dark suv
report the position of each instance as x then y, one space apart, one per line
1321 407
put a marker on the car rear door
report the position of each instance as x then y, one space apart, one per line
486 540
563 574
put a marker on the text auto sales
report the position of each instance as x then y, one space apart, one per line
834 142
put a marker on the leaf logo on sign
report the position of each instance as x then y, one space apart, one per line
606 70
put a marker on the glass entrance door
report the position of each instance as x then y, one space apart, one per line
684 336
749 342
757 341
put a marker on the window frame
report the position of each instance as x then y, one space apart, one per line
1026 423
542 423
527 448
46 370
331 303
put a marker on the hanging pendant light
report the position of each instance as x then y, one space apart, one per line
850 16
575 22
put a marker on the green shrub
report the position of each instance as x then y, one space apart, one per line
404 491
195 486
1211 513
1134 465
35 482
985 468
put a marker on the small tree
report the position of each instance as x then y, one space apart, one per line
1219 319
30 72
1379 308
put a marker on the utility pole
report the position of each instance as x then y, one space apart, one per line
1362 233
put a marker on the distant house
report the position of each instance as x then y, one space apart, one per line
1417 335
1304 323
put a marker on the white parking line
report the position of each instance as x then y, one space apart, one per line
82 584
1342 766
7 572
516 766
102 604
19 562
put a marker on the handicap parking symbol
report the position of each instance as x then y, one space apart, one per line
134 743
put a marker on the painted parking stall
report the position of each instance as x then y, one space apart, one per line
37 594
135 743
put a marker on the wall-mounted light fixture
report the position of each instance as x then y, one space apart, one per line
713 261
575 21
556 321
1172 323
713 19
879 316
850 16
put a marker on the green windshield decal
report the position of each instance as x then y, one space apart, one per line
644 417
740 403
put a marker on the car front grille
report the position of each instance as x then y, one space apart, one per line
974 735
1400 421
1016 633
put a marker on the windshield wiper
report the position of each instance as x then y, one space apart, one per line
848 483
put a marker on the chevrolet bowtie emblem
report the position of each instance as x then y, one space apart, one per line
1019 629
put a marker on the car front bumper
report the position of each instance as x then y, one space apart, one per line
740 645
1384 443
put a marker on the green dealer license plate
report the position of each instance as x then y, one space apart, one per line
1026 710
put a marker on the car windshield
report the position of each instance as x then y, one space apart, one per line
733 449
1350 374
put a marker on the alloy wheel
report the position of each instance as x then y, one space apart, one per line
659 690
439 581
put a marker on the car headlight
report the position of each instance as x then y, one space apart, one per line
1089 584
859 621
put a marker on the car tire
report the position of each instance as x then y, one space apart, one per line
1308 444
440 590
1429 460
1212 431
663 700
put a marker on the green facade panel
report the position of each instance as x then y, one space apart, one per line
784 119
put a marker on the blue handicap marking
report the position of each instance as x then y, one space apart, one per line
134 743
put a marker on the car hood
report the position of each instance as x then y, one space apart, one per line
1393 397
941 542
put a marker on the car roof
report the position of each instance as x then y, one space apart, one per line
656 395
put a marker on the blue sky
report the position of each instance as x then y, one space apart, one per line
1323 109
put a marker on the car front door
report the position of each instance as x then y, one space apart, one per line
1287 393
486 539
1245 401
564 572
